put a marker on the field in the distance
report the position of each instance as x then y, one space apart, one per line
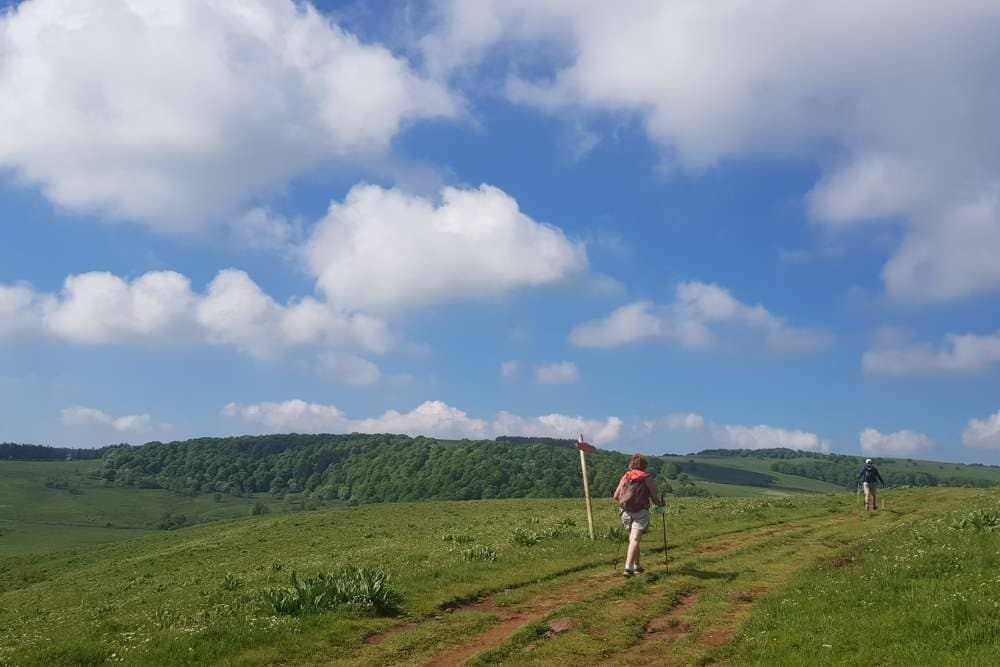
762 580
53 505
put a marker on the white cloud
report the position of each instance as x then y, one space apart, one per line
735 436
431 418
559 426
767 437
557 373
290 416
159 308
99 308
20 310
900 443
961 353
950 252
261 230
894 102
983 433
696 317
387 250
630 323
197 108
688 421
81 416
509 369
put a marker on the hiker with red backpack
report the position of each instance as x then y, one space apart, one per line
635 492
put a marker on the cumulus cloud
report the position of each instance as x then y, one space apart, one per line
767 437
559 426
384 249
688 421
557 373
261 91
900 443
290 416
260 229
895 103
159 308
82 416
960 353
707 433
698 315
20 310
431 418
983 433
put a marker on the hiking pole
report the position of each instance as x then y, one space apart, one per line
663 514
618 551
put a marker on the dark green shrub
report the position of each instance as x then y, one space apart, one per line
361 588
479 552
524 538
979 521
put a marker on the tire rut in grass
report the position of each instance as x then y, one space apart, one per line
724 626
516 617
513 618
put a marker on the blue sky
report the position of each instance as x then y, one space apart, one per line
473 219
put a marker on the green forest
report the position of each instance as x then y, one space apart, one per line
374 468
12 451
362 468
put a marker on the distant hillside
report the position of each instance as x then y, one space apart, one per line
12 451
375 468
842 470
359 468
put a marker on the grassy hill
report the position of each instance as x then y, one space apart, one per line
829 471
130 491
56 504
516 581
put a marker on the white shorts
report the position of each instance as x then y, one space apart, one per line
640 519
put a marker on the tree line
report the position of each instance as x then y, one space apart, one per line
365 468
13 451
844 473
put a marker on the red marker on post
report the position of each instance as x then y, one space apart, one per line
583 448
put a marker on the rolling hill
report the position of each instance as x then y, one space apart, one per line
516 581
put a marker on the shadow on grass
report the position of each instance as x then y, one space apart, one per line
706 574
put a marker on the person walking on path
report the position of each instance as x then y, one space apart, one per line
635 492
868 476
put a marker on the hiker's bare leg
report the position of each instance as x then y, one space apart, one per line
632 558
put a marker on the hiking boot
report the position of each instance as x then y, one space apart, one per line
639 569
628 573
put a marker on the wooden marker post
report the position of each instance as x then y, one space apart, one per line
585 447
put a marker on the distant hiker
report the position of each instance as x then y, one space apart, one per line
635 492
868 476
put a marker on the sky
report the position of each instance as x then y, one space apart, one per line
666 226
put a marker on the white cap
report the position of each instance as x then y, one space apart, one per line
868 460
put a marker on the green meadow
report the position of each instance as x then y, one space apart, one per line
52 505
797 579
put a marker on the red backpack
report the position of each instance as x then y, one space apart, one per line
635 495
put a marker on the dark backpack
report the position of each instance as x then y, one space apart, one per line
635 496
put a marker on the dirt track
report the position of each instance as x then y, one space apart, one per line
672 616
